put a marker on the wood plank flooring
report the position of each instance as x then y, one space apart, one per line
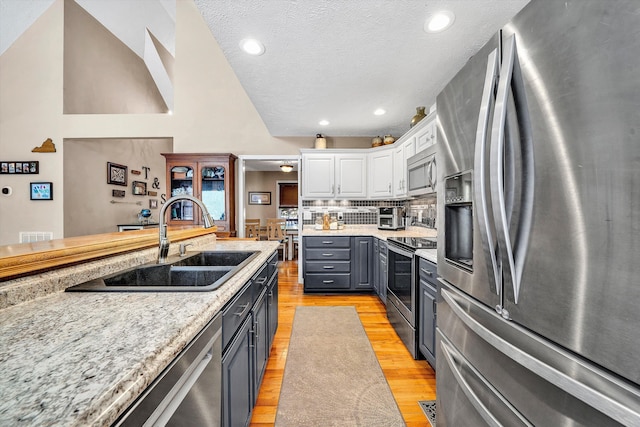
410 380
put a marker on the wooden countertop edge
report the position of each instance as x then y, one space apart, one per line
28 258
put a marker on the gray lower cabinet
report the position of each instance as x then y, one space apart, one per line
337 263
237 377
427 310
383 266
376 266
261 341
249 322
327 263
363 263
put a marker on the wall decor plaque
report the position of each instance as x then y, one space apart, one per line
116 174
118 193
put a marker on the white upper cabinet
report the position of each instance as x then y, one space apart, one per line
381 173
351 176
331 175
318 176
426 136
402 152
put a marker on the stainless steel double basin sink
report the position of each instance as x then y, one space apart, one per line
197 272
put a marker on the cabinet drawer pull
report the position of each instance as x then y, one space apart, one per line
327 254
327 281
328 267
427 272
327 242
242 310
261 280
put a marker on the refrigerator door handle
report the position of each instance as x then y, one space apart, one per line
479 178
456 361
515 253
611 397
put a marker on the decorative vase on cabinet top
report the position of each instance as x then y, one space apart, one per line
388 139
376 142
420 114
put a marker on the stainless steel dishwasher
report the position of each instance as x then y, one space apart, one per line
188 392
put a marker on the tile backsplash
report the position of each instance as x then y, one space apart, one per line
420 212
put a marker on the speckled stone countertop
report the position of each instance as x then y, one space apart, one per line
372 230
81 358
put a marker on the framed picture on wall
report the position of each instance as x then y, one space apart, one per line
259 197
139 188
116 174
41 190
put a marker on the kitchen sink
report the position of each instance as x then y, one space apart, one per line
201 271
214 258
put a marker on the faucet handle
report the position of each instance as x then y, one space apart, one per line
183 248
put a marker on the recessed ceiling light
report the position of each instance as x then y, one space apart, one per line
379 112
439 21
252 46
323 122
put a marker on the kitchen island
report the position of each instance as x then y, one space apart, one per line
78 359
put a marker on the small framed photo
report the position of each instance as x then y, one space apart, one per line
153 203
116 174
259 198
139 188
41 190
118 193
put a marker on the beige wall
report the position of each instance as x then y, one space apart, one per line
212 114
87 205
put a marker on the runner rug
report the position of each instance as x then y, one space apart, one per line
332 376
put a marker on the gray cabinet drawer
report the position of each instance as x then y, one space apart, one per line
327 242
235 312
328 254
327 267
327 281
260 281
428 271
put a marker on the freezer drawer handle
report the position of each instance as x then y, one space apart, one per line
454 359
597 398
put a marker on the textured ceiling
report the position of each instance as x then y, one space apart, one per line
341 60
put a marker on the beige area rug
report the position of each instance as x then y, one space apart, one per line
332 376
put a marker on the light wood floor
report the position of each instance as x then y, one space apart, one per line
410 380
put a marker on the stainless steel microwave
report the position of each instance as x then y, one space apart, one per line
422 175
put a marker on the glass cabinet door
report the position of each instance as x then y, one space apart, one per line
181 184
213 192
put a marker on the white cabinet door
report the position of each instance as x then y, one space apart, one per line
351 176
318 175
381 174
426 137
400 156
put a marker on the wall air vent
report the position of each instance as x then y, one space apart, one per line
35 236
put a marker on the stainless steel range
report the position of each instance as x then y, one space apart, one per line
402 287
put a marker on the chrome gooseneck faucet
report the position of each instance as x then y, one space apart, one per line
163 249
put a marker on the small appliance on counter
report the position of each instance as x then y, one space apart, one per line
391 218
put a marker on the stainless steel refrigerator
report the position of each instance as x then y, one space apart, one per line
539 263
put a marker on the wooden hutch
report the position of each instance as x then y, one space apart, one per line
208 177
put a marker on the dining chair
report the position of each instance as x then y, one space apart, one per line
252 229
276 231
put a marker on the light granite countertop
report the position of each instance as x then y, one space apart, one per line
81 358
372 230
